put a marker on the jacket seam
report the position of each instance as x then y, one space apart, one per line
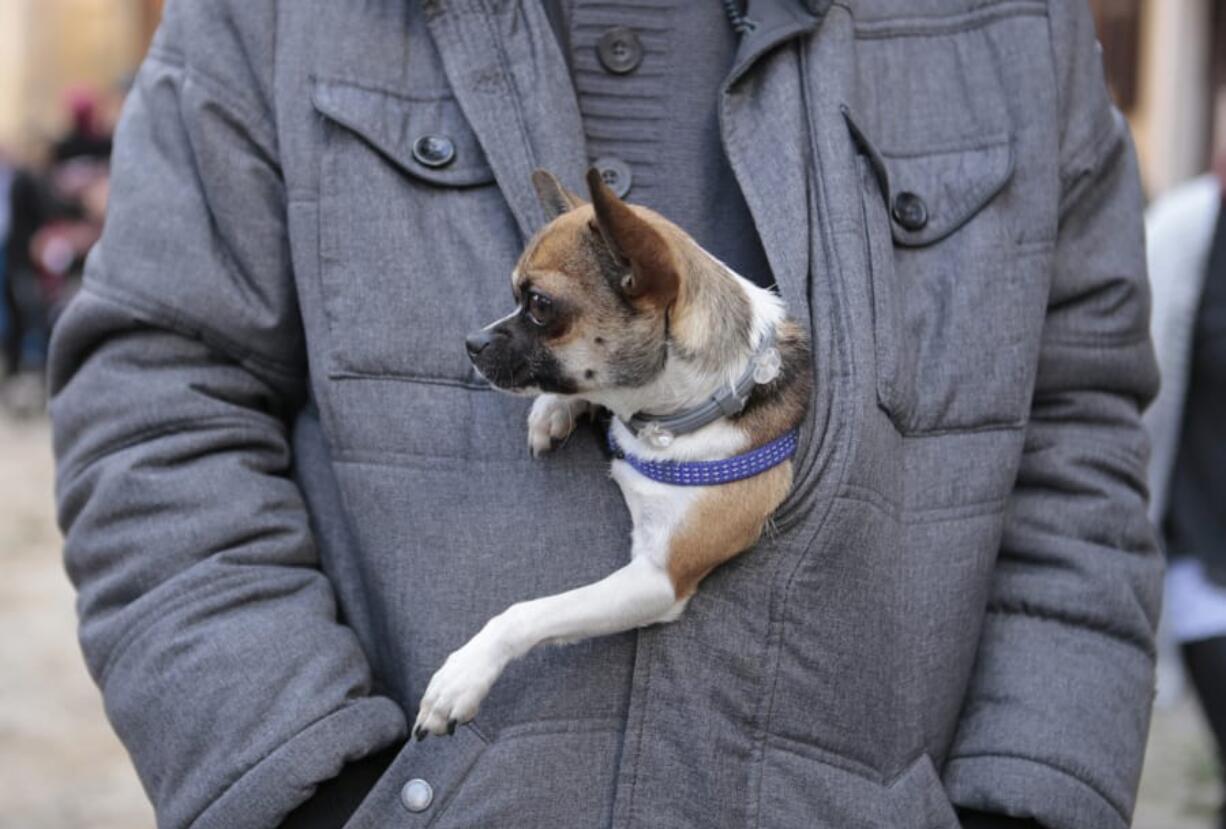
179 322
406 377
146 620
250 112
814 752
970 144
504 65
776 624
1088 147
947 24
1025 610
395 459
238 777
376 89
644 650
974 429
163 54
1067 772
918 516
817 753
559 726
1088 157
1121 340
1059 96
156 430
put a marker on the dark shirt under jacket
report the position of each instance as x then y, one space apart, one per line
1195 522
647 78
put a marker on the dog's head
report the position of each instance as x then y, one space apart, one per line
601 291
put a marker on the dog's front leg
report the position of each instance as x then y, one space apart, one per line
552 418
638 594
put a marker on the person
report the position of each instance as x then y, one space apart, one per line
87 136
286 496
1186 232
27 206
8 172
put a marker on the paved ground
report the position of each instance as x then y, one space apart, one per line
61 768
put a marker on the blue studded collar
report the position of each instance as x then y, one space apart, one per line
711 473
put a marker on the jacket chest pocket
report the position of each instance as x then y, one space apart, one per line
957 303
416 241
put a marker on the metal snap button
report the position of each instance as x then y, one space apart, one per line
620 50
417 795
434 150
910 211
616 174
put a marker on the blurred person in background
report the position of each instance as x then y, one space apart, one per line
89 135
8 174
55 212
79 187
1186 232
79 180
28 208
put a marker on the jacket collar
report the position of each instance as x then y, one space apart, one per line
510 78
766 136
775 21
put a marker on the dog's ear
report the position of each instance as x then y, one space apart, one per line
653 273
555 199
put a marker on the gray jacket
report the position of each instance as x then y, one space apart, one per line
286 496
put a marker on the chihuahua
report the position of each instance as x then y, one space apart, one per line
706 380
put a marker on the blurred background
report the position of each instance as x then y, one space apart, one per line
64 68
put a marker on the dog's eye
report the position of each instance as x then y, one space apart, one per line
539 308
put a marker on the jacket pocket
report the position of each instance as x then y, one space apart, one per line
804 786
957 304
416 241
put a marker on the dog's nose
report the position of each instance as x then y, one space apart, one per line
476 343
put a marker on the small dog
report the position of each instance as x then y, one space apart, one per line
706 380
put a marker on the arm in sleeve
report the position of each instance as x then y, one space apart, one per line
203 615
1057 711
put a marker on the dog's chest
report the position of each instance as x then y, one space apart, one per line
657 510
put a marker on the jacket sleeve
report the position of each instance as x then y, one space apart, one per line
204 617
1057 711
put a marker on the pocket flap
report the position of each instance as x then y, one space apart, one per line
427 137
931 194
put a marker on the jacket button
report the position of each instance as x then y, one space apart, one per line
434 150
616 174
620 50
910 211
417 795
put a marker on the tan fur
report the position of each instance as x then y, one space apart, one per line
725 521
559 248
560 264
780 406
654 276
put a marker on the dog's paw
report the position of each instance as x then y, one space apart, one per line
456 690
551 419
